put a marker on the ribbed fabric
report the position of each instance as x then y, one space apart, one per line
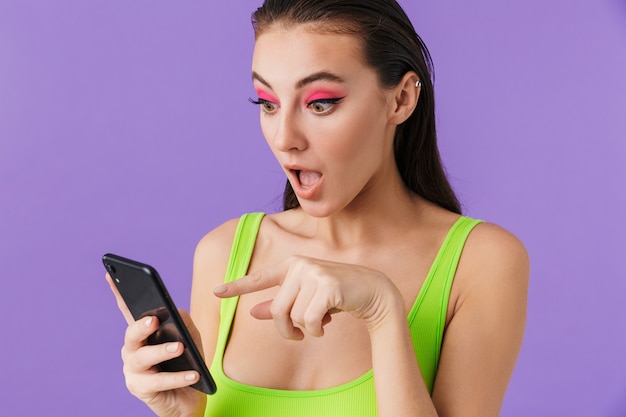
353 399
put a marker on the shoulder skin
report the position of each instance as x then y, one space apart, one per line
486 324
209 269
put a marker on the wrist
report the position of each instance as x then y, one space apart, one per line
390 310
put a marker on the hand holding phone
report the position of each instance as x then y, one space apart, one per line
143 294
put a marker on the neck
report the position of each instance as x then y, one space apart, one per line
381 211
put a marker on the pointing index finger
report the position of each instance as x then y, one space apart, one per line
255 281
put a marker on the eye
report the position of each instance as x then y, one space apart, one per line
267 106
324 105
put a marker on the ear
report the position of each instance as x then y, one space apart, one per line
404 98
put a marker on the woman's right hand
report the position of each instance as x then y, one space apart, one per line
168 394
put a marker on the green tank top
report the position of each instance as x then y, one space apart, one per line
356 398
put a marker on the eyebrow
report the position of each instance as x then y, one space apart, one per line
318 76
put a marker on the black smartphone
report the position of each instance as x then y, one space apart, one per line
145 295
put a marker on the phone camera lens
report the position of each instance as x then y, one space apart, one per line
111 268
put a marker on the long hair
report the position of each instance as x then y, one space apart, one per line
392 48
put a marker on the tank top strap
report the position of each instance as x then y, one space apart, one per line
243 245
238 263
427 317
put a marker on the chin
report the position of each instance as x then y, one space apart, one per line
320 208
317 208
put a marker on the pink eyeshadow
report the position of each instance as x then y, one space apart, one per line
322 94
264 95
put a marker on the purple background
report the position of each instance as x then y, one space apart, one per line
125 127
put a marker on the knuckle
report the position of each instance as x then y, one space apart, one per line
276 310
310 320
338 299
132 362
137 389
124 353
296 318
298 261
321 273
131 387
326 283
298 267
128 334
134 332
256 277
305 261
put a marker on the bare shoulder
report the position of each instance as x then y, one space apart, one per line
214 247
486 323
210 261
209 268
492 250
489 233
494 268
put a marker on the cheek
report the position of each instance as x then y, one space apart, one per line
357 133
267 124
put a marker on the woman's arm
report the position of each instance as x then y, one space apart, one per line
209 269
400 389
481 342
485 333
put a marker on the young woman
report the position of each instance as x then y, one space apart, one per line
369 294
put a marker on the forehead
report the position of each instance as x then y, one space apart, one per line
290 53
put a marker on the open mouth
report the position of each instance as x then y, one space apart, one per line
308 179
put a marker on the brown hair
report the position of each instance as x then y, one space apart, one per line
392 48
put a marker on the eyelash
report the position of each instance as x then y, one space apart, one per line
332 101
260 102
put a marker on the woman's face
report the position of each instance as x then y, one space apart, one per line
324 115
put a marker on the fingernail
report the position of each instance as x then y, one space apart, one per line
172 347
220 289
191 376
148 321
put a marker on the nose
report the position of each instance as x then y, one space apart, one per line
288 135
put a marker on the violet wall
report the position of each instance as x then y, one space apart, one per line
125 127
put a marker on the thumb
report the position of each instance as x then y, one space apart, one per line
261 311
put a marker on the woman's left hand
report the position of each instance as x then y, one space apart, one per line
311 289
